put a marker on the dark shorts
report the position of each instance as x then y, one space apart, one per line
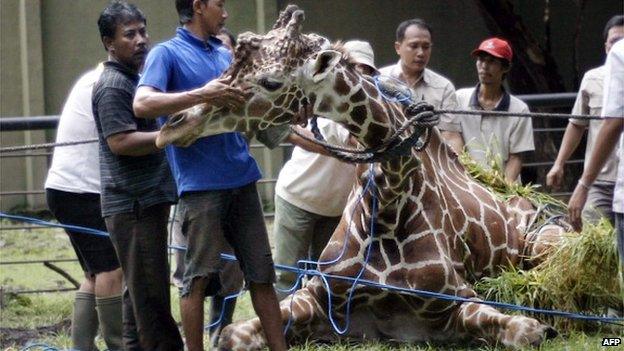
96 254
210 219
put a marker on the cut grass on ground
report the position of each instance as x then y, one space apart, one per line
35 310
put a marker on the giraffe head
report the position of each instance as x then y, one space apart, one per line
267 68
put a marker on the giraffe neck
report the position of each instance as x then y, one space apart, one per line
354 101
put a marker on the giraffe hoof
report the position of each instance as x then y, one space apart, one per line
524 331
550 333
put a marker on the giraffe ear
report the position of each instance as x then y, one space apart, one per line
320 65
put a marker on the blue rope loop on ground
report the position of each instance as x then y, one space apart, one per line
42 347
355 281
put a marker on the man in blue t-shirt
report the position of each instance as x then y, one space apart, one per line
215 176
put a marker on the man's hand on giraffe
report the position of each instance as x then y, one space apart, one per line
301 118
219 94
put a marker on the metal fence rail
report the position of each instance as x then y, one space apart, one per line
12 124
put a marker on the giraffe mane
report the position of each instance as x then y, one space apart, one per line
346 58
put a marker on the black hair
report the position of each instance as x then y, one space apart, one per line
185 10
229 35
118 12
615 21
420 23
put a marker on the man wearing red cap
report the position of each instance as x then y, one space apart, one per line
504 138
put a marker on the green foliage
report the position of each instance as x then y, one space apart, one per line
579 275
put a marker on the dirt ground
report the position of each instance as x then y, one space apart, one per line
17 337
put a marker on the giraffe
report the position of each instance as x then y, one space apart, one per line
435 227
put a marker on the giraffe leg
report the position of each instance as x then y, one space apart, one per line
514 331
248 335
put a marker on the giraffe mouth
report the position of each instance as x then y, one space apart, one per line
305 112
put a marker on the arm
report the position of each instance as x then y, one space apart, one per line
609 133
513 167
133 143
571 139
151 99
572 136
152 103
449 122
305 144
610 130
455 140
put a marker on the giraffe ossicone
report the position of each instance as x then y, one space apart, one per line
436 228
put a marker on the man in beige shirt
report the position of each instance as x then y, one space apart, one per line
505 137
413 45
589 101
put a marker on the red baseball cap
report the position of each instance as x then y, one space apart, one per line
496 47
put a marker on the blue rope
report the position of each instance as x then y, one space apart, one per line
43 347
397 96
359 281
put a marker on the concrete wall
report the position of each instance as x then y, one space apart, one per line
21 94
45 47
47 44
458 28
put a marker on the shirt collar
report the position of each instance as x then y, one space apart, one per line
122 69
186 35
425 77
503 105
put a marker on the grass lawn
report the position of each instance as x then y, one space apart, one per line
27 313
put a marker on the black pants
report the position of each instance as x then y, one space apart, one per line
140 240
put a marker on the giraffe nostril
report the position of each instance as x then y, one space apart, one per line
175 120
269 84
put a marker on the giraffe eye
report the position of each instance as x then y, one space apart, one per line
269 85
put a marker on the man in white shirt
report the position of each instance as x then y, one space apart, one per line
506 138
73 195
413 45
312 187
611 129
589 101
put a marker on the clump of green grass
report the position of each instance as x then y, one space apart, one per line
580 274
493 178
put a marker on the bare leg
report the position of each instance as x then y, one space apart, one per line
108 283
192 311
265 304
248 335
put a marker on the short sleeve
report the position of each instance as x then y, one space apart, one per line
521 138
114 110
334 133
449 122
157 68
613 93
581 104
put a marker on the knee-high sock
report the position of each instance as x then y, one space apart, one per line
109 313
84 324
